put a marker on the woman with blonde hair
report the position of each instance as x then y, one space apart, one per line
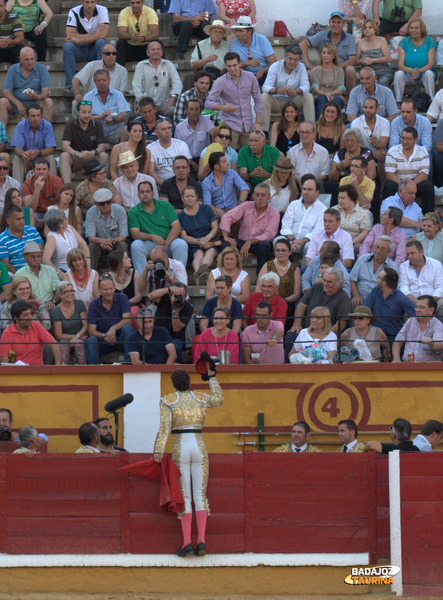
83 279
229 263
21 289
330 128
431 238
282 185
373 51
327 79
319 333
70 324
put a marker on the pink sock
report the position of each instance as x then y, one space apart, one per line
186 522
201 517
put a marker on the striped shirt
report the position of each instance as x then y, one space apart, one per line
11 247
10 26
411 331
407 168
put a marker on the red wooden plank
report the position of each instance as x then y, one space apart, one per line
3 495
427 465
221 523
63 545
85 527
248 459
74 489
64 508
319 495
420 513
372 508
309 469
422 565
429 591
298 512
419 535
309 539
430 486
97 466
124 507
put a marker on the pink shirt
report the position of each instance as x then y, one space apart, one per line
257 341
207 342
398 238
262 227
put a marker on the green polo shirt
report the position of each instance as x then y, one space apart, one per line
157 223
248 160
4 276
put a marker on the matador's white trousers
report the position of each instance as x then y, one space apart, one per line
191 456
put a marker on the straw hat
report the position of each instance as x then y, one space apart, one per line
102 195
284 165
31 247
243 22
218 23
126 157
362 311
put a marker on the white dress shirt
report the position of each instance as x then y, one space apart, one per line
316 163
278 77
302 222
428 281
343 239
382 128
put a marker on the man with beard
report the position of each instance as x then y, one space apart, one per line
107 442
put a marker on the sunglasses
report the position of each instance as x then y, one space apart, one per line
4 168
104 276
110 53
156 81
137 27
224 137
83 102
106 203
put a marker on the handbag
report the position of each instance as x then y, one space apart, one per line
315 28
281 30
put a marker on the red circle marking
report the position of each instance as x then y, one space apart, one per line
314 397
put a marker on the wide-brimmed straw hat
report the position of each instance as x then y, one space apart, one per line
362 311
284 165
126 157
216 24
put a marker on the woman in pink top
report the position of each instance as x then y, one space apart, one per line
219 337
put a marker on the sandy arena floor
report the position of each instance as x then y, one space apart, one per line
370 596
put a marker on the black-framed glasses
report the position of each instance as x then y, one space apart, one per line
110 53
155 78
83 102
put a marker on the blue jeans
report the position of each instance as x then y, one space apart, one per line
73 53
95 347
141 249
320 101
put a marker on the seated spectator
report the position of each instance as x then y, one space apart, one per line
223 189
422 335
70 324
388 304
435 110
6 423
255 51
157 281
174 313
153 222
437 158
341 163
89 437
109 107
369 88
231 95
29 441
4 156
195 131
344 42
269 287
106 227
21 289
262 342
354 219
148 117
430 436
327 79
127 185
41 190
26 84
200 91
163 152
404 200
66 202
85 77
287 81
32 137
231 11
83 138
282 185
330 128
376 340
172 189
83 279
209 53
229 263
368 267
431 238
390 220
303 217
26 337
14 238
319 334
223 298
135 144
219 338
199 228
150 344
285 132
329 294
87 28
35 28
409 117
308 156
222 136
420 275
348 432
374 130
43 279
289 273
328 256
137 26
300 434
60 240
187 21
256 161
13 197
126 280
332 232
373 51
157 78
363 186
416 60
401 431
95 181
109 318
258 226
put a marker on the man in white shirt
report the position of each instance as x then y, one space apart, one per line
163 152
435 111
287 80
86 30
430 436
303 217
308 156
375 130
127 184
420 274
158 79
332 232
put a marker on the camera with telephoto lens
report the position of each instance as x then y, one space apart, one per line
5 434
159 268
398 12
178 301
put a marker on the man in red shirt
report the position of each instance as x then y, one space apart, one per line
270 283
26 337
41 190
